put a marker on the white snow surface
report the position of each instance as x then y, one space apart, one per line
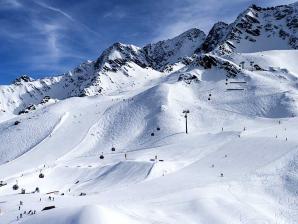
122 155
64 141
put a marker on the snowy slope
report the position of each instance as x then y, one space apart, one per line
256 29
110 139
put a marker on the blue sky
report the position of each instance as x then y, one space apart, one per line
49 37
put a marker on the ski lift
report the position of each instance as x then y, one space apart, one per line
235 89
238 82
41 175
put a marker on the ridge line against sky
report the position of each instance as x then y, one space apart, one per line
49 37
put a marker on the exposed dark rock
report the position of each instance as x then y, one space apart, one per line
23 78
188 78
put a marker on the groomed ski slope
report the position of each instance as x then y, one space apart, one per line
238 164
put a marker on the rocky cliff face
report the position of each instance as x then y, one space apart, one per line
171 51
260 29
216 36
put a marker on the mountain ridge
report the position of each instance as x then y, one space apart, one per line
97 77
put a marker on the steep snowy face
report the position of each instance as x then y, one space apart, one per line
23 79
167 52
118 55
256 29
259 29
216 36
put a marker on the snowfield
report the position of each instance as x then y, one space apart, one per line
122 155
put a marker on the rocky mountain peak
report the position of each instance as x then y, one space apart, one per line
258 29
172 50
215 36
255 29
22 78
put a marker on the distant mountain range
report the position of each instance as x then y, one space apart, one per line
256 29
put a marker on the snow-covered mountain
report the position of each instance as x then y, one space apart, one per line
121 65
107 140
171 51
258 29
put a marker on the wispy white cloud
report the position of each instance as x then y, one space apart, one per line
10 4
44 5
46 30
116 13
193 13
68 16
